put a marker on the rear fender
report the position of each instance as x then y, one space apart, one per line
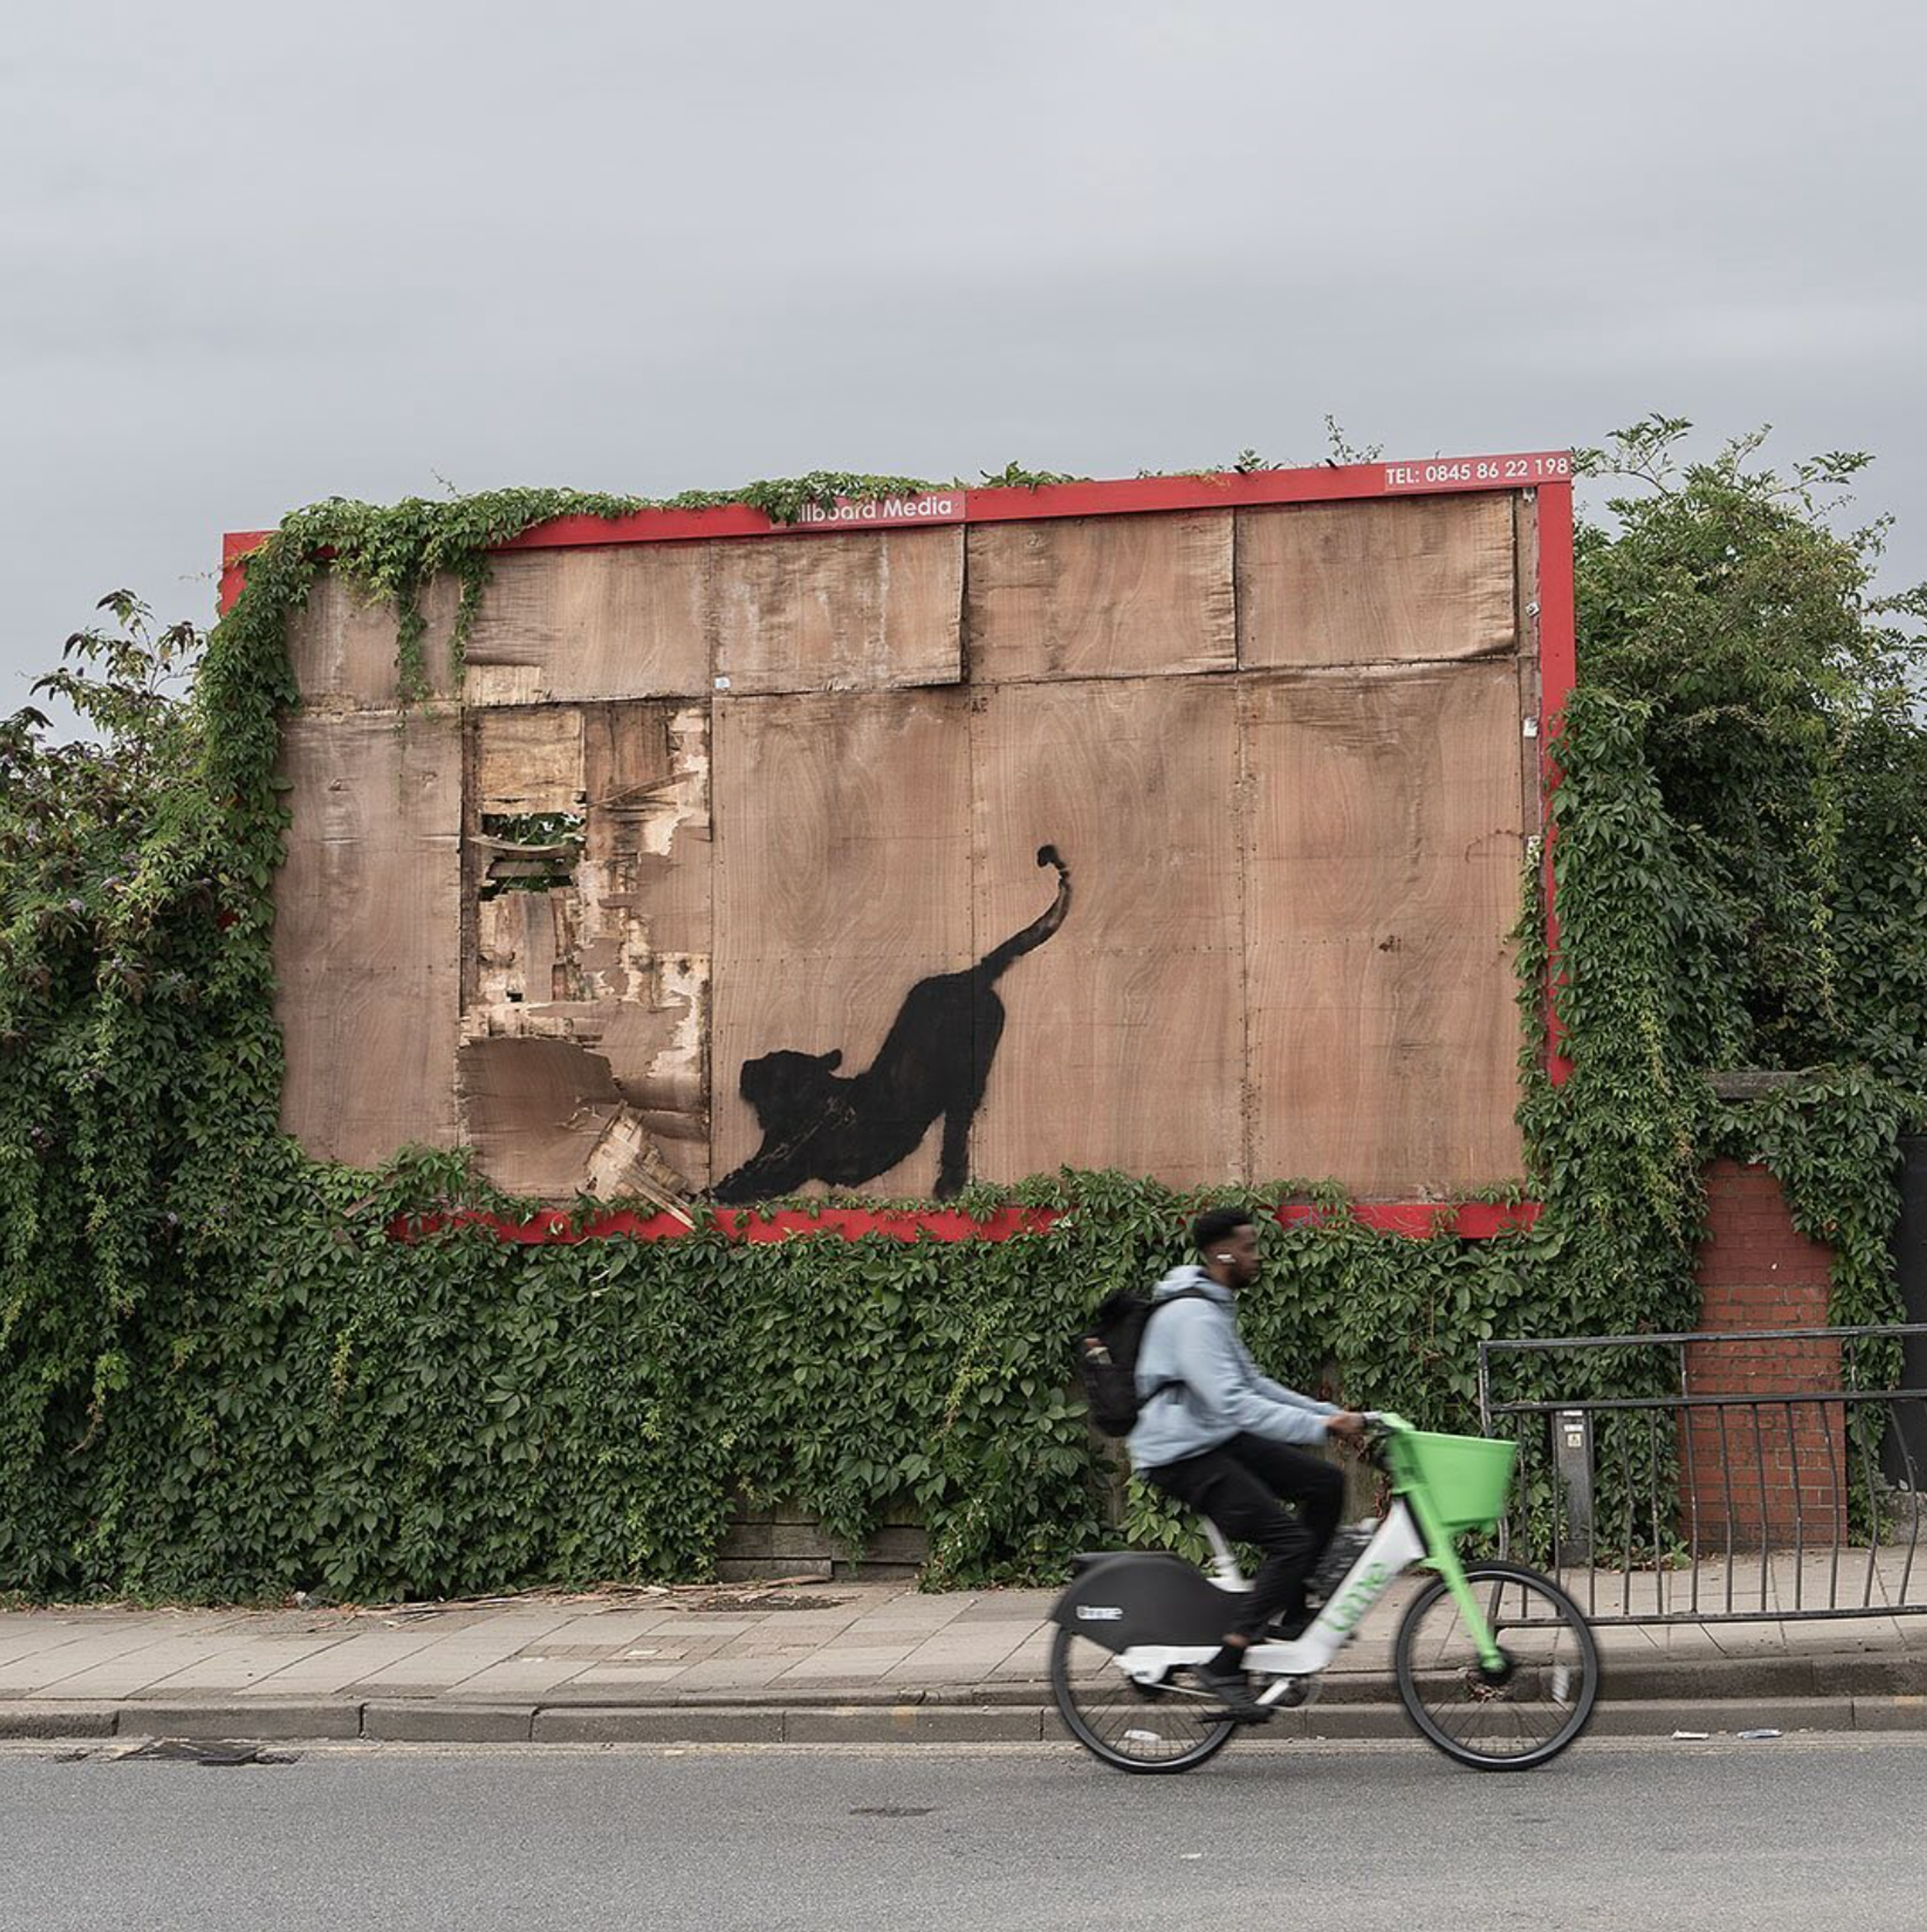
1140 1597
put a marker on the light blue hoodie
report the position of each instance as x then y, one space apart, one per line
1196 1344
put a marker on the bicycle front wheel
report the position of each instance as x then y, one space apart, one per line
1131 1726
1527 1712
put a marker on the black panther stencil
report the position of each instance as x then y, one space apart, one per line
819 1126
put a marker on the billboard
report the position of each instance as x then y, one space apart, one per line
1174 825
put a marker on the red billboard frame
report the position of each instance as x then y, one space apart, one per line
1546 474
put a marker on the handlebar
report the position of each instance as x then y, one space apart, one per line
1380 1426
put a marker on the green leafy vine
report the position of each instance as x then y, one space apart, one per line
221 1377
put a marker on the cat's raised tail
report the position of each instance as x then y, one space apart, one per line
1040 928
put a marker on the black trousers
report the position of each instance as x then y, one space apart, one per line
1238 1485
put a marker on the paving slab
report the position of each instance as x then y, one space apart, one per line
143 1668
518 1677
358 1655
731 1673
853 1661
237 1668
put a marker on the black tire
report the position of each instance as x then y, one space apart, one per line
1127 1726
1535 1713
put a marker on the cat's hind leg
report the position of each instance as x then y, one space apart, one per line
953 1167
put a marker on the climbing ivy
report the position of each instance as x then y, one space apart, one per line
222 1376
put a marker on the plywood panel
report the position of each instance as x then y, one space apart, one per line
1382 869
843 869
1414 578
842 826
627 621
342 646
367 934
1125 1042
1100 597
841 612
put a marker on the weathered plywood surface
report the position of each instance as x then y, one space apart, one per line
645 883
342 647
1100 597
528 761
585 1061
1382 878
547 1118
1283 948
843 826
626 621
645 773
367 934
844 613
1405 580
843 879
1124 1046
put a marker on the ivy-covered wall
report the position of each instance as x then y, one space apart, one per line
220 1377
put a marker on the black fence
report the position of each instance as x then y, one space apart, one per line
1746 1476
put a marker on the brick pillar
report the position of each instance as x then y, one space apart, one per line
1777 1474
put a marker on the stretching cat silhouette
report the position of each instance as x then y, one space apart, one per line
819 1126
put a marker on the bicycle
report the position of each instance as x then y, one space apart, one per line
1131 1621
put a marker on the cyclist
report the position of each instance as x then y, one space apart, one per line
1220 1437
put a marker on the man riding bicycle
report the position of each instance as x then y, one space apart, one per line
1228 1441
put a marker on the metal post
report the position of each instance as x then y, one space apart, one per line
1572 1464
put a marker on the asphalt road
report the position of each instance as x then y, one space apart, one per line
1808 1833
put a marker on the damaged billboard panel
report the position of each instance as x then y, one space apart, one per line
1173 826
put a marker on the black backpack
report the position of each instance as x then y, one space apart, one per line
1107 1354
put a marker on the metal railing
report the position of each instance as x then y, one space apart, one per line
1698 1503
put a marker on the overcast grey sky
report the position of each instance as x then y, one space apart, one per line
250 256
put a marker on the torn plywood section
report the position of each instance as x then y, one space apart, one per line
548 1119
1101 597
367 926
1407 580
624 621
592 949
844 612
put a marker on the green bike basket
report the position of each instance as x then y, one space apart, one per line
1466 1477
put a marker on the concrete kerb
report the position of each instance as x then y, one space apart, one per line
445 1721
236 1717
642 1724
433 1721
1652 1695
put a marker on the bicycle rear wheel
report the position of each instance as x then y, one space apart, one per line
1131 1726
1529 1712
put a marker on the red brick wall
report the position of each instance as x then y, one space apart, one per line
1778 1473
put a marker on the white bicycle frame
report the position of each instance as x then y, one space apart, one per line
1395 1546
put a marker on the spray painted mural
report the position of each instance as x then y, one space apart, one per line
720 872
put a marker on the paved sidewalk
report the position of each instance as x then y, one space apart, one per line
803 1662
